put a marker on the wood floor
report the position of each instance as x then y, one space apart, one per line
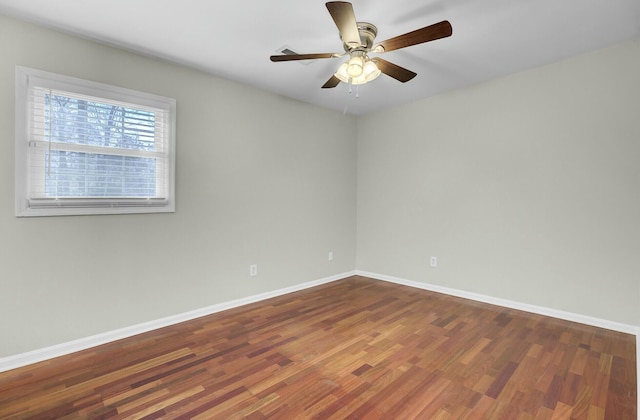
355 348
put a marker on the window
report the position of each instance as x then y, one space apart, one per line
89 148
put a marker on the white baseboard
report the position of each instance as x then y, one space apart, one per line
540 310
39 355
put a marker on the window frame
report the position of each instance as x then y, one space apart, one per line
28 205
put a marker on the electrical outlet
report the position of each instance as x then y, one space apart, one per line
330 256
433 262
253 270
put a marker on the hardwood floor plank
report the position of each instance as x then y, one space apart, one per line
354 348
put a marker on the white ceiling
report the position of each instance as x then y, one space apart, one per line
234 39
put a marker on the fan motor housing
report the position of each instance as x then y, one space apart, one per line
367 32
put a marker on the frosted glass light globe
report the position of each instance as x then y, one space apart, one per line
355 66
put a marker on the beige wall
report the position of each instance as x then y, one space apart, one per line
257 182
526 188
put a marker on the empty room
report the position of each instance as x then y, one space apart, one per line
416 209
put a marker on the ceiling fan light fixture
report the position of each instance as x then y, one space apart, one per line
370 71
342 72
355 66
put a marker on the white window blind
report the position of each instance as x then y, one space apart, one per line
89 148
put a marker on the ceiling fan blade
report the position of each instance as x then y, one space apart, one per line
428 33
331 83
399 73
292 57
345 19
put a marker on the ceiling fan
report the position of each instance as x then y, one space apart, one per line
357 39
